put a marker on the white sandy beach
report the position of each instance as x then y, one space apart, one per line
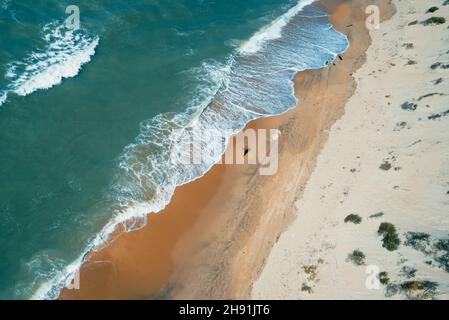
310 259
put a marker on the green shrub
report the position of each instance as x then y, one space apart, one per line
417 240
413 289
424 289
432 9
385 166
410 106
354 218
306 288
408 272
413 23
390 239
434 20
383 278
311 272
357 257
435 82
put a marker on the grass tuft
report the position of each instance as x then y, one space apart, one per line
357 257
354 218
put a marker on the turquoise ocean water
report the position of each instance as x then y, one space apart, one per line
93 121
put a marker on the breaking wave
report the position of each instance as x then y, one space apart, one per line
63 55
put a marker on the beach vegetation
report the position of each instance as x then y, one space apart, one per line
432 9
437 81
437 249
431 95
386 165
442 244
383 278
354 218
390 238
400 125
417 240
409 106
434 21
438 115
306 288
411 62
413 23
443 259
357 257
408 45
408 272
419 289
377 215
437 65
311 272
413 289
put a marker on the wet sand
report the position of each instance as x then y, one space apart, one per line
212 240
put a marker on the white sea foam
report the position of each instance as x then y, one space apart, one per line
3 97
249 86
64 54
273 30
5 4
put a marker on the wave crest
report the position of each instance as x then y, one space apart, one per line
64 54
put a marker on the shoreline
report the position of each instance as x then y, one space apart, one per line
384 165
215 218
